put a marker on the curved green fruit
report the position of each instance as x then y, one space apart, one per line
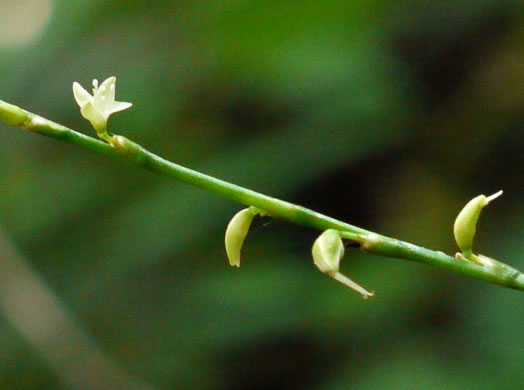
327 251
236 233
465 226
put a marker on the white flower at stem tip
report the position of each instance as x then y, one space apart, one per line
97 108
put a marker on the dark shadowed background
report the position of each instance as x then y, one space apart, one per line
389 115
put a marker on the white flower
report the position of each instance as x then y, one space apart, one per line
97 108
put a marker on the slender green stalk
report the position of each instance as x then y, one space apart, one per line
122 148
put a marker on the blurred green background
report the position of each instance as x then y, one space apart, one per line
389 115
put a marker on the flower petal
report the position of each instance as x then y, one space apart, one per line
107 89
82 97
97 120
119 106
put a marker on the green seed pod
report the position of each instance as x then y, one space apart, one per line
465 225
327 251
236 233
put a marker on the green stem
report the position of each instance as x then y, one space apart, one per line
122 148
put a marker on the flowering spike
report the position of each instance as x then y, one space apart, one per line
97 108
328 250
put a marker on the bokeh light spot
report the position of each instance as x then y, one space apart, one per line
21 22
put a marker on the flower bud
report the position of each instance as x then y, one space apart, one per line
327 251
11 114
465 225
236 233
127 148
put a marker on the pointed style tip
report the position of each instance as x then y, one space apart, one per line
494 196
351 284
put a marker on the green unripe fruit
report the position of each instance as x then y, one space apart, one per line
236 233
465 226
327 251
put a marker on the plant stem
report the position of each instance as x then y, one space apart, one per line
122 148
